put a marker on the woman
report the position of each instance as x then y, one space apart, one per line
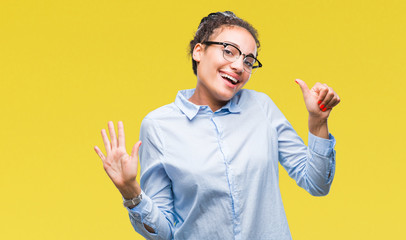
209 161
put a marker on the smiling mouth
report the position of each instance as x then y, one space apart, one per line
229 78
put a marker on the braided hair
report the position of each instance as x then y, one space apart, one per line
212 22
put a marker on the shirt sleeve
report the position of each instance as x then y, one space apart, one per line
312 166
156 206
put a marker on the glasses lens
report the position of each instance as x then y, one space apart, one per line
249 63
231 53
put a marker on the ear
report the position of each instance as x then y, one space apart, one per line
197 52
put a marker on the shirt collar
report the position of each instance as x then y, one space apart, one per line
191 110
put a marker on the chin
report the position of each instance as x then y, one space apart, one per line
226 94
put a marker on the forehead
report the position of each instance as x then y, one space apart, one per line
238 36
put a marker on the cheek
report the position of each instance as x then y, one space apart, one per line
246 77
212 68
216 62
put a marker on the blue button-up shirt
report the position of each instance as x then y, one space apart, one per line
214 175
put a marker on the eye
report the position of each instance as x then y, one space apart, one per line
228 52
249 62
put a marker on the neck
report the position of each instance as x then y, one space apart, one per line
201 97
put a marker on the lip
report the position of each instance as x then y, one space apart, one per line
228 83
236 76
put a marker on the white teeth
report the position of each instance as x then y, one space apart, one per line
229 77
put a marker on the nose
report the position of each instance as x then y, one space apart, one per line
238 65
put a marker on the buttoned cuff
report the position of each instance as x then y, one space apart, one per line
322 146
142 215
140 211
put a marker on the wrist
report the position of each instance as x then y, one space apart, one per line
318 127
133 202
130 191
317 121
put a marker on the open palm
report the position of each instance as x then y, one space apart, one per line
119 166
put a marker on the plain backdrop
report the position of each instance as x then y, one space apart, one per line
68 67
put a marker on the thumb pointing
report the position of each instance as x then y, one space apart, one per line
303 87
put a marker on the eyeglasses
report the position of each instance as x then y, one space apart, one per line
231 53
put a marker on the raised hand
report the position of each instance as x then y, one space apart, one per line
319 100
119 166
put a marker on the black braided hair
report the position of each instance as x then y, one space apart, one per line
212 22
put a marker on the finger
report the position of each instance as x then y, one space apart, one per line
113 137
100 153
134 152
303 87
106 141
323 90
329 99
338 101
335 101
121 136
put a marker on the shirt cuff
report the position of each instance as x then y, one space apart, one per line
322 146
140 211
